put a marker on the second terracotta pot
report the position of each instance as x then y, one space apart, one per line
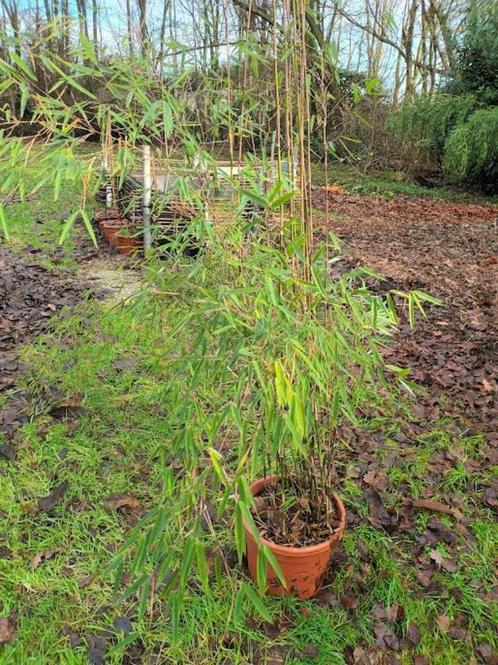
110 228
303 568
127 245
106 213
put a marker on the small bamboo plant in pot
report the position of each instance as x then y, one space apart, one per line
322 367
296 518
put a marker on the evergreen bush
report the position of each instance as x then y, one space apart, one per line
471 151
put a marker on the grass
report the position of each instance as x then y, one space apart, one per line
121 363
389 183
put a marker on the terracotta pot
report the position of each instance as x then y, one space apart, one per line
302 567
127 245
110 228
107 213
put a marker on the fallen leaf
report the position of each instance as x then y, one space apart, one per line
458 633
349 601
449 565
437 557
327 597
486 653
125 363
333 189
389 613
375 478
46 503
124 625
487 386
42 556
310 652
29 508
413 634
391 640
96 650
86 581
8 452
67 408
424 577
443 622
260 504
8 627
119 501
74 638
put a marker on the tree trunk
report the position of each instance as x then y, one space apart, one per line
129 26
95 21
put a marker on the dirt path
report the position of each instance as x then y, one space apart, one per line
449 250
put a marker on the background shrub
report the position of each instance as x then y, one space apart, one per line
471 151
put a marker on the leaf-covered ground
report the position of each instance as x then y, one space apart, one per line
415 580
449 250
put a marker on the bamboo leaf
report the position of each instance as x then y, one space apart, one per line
216 459
3 223
240 536
261 571
68 225
256 602
88 226
202 566
270 557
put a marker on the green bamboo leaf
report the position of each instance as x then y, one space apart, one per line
255 197
58 183
238 606
176 606
270 557
422 295
216 460
3 223
68 225
89 227
282 385
249 520
256 602
23 65
281 200
189 552
297 412
261 571
202 566
240 536
24 100
411 309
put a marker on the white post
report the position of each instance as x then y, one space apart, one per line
108 187
146 197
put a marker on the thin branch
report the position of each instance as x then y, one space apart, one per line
386 40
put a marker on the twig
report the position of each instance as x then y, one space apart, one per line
436 507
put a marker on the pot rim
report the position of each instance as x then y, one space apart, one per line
291 550
111 223
131 239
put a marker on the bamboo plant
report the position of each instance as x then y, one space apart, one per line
279 354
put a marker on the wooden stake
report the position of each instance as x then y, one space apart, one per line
146 197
